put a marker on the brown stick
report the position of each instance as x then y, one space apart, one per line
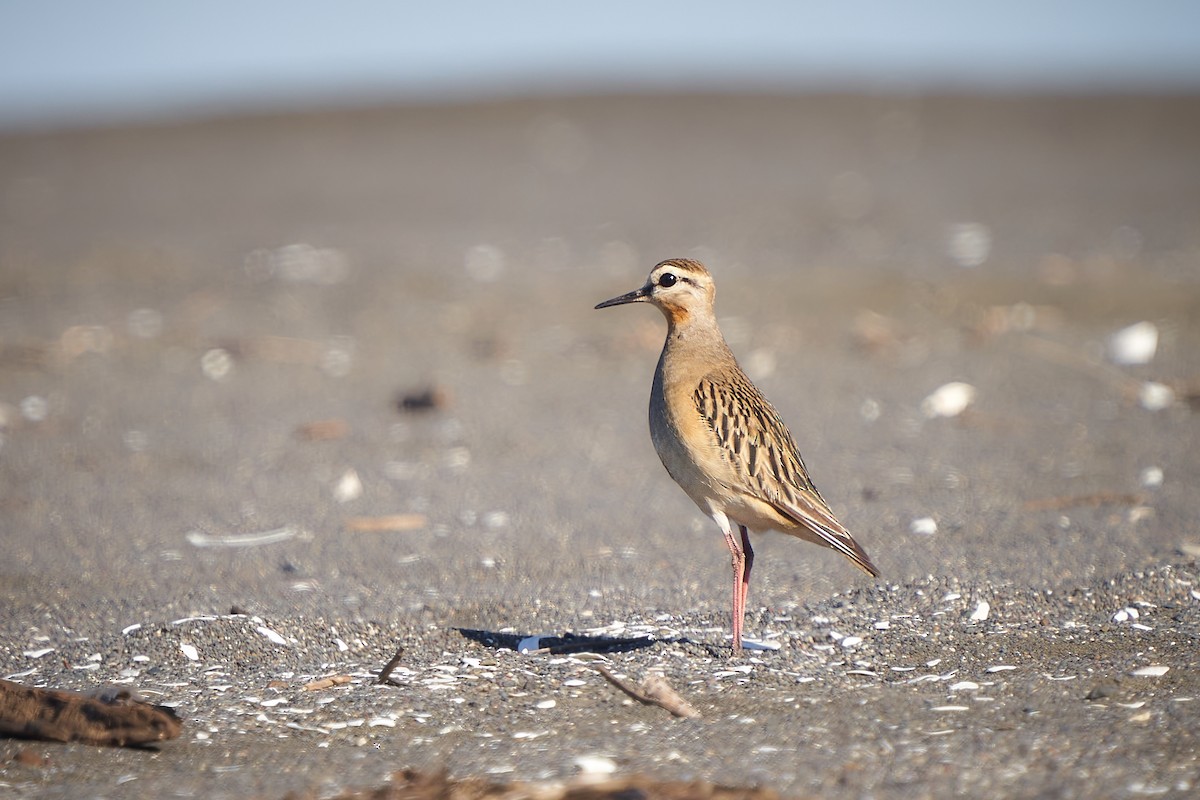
654 691
1094 499
325 683
388 522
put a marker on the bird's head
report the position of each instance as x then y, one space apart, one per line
679 287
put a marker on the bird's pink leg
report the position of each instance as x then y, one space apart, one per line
749 553
739 575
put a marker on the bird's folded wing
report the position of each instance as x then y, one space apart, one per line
817 518
765 461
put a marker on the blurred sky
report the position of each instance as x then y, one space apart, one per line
111 60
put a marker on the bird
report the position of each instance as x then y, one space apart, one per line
721 439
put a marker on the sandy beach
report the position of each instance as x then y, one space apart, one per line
297 391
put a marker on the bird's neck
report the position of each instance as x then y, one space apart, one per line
696 336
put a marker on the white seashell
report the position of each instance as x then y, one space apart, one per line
272 635
950 708
574 682
925 526
544 704
741 669
1155 396
963 686
484 262
1152 671
1000 668
190 651
38 653
35 408
494 520
882 625
529 644
968 244
1125 614
1151 477
596 765
1135 344
981 611
849 642
381 722
217 364
128 629
948 400
760 644
200 539
349 487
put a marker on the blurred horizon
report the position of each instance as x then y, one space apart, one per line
67 63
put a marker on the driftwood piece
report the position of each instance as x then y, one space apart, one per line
654 691
111 716
1094 499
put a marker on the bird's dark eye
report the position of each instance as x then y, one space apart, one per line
667 280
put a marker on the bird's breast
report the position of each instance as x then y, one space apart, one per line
682 440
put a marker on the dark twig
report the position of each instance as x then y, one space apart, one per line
385 673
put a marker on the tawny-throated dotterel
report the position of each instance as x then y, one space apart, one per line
720 439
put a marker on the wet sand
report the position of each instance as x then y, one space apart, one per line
178 302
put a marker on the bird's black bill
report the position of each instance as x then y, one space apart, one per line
637 295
